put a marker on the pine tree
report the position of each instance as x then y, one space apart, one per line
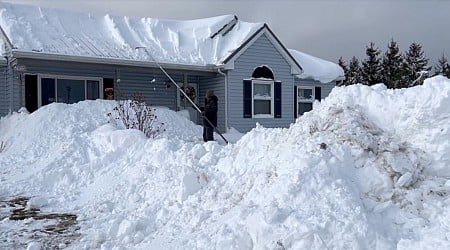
354 75
415 65
343 65
371 67
392 66
442 68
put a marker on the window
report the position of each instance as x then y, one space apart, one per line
305 99
262 98
70 91
47 91
92 89
262 95
67 89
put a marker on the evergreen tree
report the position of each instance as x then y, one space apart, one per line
415 65
442 68
343 65
392 66
354 75
371 67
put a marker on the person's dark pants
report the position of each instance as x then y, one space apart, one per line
208 133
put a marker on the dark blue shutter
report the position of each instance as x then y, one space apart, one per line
318 93
295 102
247 98
277 96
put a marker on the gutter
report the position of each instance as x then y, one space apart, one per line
111 61
226 97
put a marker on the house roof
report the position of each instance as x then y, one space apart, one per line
317 69
53 31
36 32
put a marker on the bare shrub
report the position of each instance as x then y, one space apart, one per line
136 114
2 146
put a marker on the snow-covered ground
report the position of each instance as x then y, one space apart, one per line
368 168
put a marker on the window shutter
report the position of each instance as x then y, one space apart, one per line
247 94
31 92
318 93
295 102
277 97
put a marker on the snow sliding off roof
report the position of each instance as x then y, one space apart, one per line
316 68
51 31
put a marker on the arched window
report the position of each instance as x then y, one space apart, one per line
263 72
262 95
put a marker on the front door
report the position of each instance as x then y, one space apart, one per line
183 103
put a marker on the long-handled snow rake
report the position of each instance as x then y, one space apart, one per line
184 93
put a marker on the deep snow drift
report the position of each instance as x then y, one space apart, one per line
368 168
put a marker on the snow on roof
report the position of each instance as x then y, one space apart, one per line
200 42
316 68
55 31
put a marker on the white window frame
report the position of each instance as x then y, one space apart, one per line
271 99
300 100
81 78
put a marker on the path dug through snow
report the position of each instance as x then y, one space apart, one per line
27 221
355 173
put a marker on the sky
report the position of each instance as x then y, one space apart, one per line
326 29
356 172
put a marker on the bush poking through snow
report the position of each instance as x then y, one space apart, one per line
136 114
2 146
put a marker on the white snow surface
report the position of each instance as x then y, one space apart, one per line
316 68
367 168
53 31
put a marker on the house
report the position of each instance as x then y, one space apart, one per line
51 55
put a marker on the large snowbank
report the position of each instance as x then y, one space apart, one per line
368 168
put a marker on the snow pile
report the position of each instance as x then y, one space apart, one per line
354 173
316 68
418 115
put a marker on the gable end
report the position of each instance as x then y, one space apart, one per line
295 67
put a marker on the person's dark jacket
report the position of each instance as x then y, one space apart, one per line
210 111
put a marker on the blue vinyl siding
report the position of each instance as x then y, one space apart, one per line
261 52
163 93
127 81
132 80
159 93
10 91
4 92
